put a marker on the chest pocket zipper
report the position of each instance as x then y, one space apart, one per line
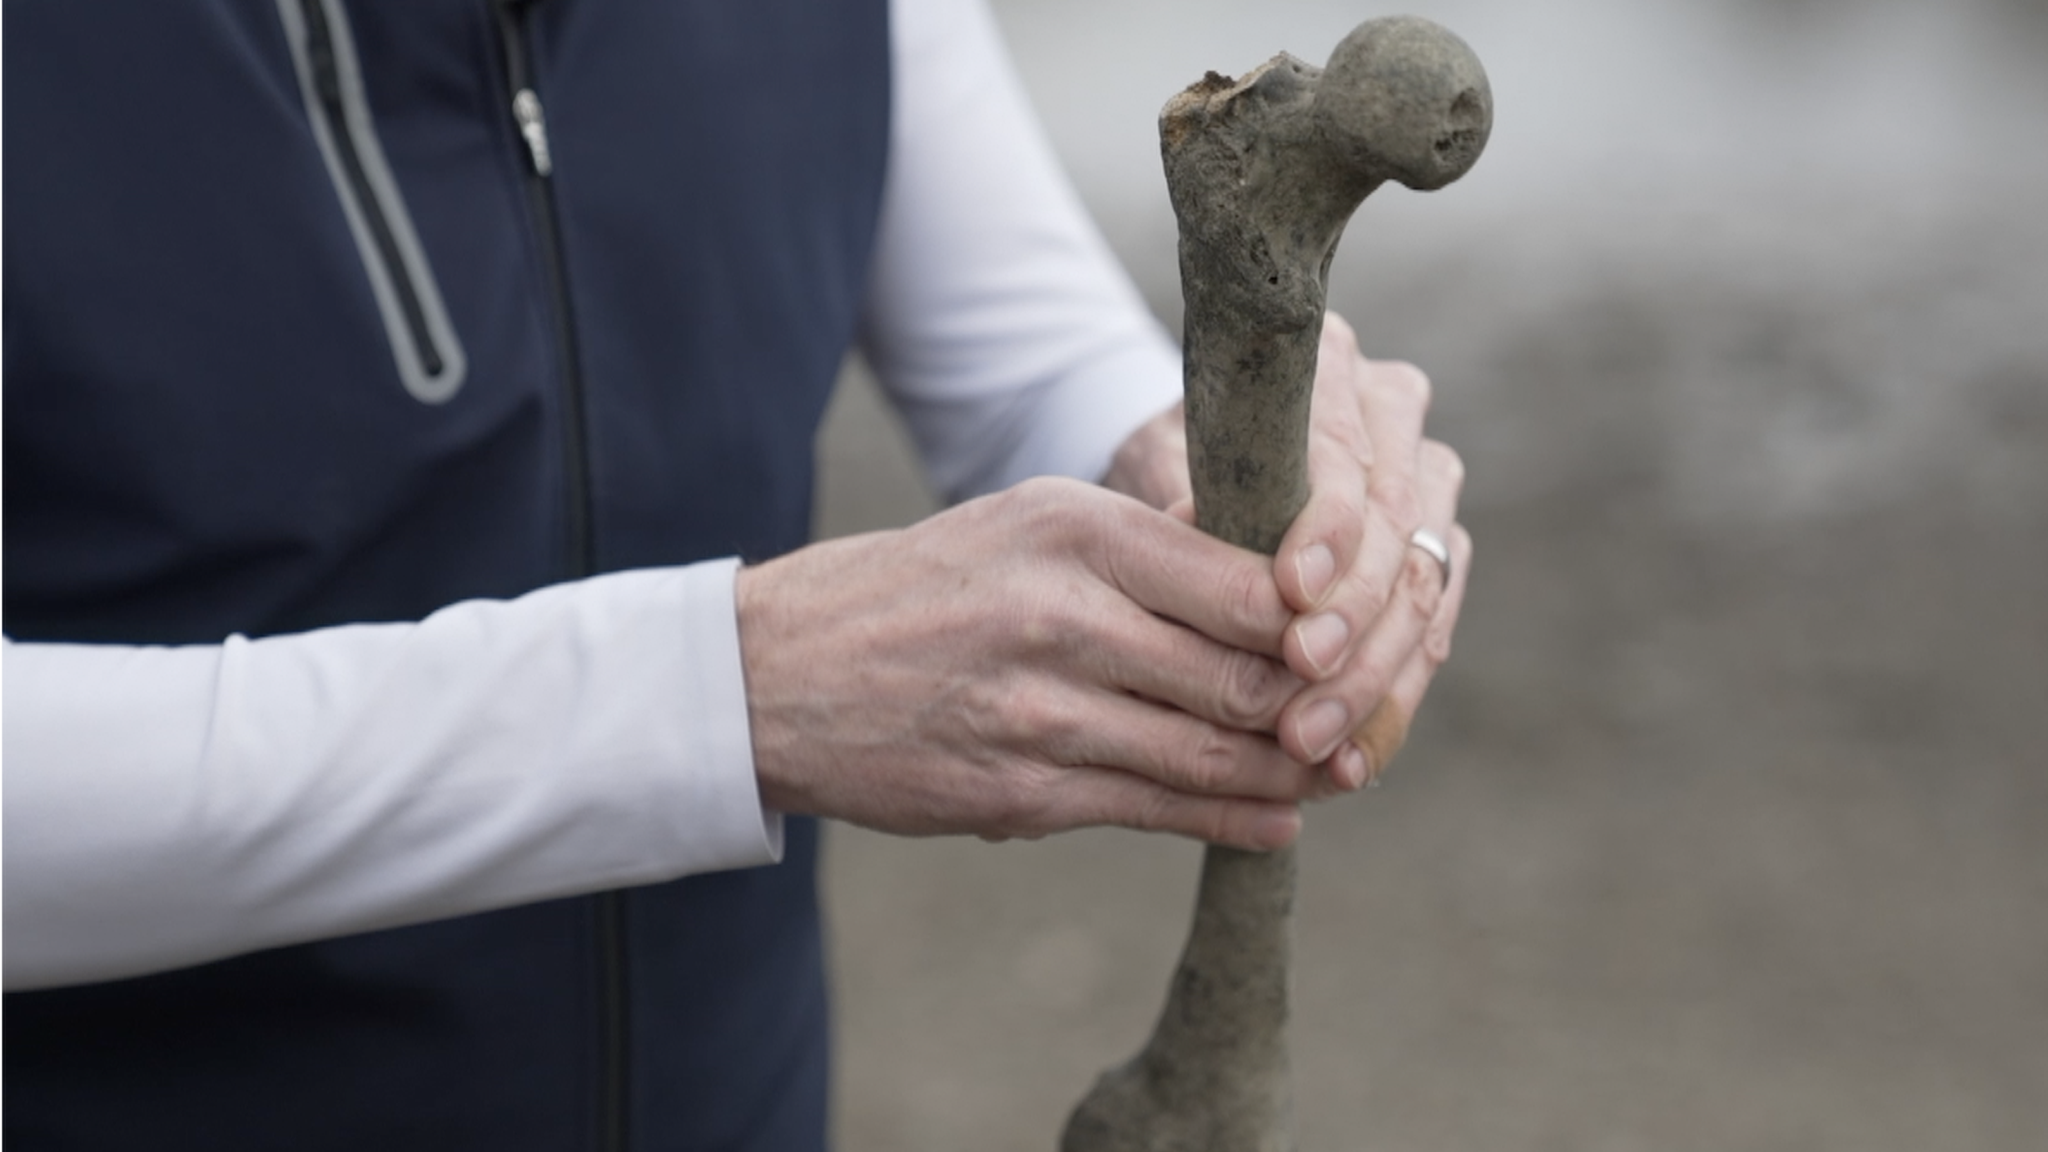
429 355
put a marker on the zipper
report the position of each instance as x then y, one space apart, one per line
529 119
613 1026
533 128
326 77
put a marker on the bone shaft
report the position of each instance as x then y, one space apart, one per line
1248 447
1223 1033
1221 1040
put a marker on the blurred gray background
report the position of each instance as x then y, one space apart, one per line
1727 825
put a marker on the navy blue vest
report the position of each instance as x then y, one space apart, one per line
311 319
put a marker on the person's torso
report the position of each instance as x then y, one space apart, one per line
297 333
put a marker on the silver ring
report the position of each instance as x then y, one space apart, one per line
1433 544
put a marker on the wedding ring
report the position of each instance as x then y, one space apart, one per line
1433 544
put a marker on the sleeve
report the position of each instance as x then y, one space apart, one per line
997 318
168 806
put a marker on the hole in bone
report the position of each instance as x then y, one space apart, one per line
1451 143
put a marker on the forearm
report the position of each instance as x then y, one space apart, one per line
997 318
168 806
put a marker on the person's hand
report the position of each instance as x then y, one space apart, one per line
1045 658
1374 615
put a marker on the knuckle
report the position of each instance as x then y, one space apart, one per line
1212 823
1338 333
1249 594
1054 508
1044 723
1024 809
1436 648
1343 506
1406 381
1165 812
1146 810
986 711
1040 627
1369 592
1207 762
1252 692
1443 460
1128 539
1402 504
1039 490
1007 811
1017 509
1422 583
1072 623
1024 499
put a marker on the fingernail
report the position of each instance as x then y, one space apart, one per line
1315 565
1321 726
1350 767
1322 640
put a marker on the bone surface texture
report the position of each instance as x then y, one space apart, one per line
1264 173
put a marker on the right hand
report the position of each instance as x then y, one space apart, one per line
1049 657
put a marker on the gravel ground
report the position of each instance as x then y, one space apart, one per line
1726 827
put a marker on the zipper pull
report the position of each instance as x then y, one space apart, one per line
534 127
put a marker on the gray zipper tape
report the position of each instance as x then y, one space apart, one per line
429 389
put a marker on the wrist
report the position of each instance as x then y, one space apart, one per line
752 607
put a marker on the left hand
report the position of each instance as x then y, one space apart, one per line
1373 615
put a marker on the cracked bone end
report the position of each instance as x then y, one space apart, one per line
1283 77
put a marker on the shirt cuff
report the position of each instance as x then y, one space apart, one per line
714 695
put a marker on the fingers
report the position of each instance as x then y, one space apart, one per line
1151 558
1317 721
1377 741
1052 656
1438 642
1324 538
1396 402
1090 797
1151 464
1315 724
1342 558
1163 661
1158 561
1170 748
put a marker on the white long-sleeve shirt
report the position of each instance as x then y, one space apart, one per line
167 806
